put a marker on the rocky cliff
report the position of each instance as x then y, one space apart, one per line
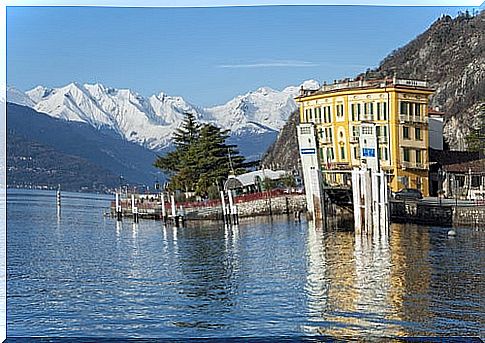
450 55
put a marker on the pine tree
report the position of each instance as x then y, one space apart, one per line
201 159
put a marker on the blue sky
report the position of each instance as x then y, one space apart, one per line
206 55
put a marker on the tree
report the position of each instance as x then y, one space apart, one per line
178 163
201 158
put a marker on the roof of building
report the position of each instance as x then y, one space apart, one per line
477 166
433 111
249 179
447 157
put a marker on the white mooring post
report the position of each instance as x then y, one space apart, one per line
370 196
357 196
232 207
164 214
134 209
307 142
58 196
118 207
174 210
223 203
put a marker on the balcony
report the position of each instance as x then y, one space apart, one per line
406 118
383 139
412 83
325 140
354 139
414 165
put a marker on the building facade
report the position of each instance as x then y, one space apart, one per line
399 110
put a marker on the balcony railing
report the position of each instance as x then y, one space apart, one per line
354 139
413 119
413 165
325 140
382 139
412 83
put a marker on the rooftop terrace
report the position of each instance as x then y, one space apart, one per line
355 84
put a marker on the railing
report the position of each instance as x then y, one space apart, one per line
414 165
354 139
326 140
413 119
412 83
364 83
382 139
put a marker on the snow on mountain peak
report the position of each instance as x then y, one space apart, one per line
150 121
18 97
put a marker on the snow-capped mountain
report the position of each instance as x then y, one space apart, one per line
18 97
151 121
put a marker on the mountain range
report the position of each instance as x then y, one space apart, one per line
151 121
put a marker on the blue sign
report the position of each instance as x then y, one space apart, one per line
308 151
368 152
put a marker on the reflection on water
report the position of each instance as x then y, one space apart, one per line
78 273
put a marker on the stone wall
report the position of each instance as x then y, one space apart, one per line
421 213
275 205
469 216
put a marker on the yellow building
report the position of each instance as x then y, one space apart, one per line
398 108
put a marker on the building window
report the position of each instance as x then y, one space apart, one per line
321 153
358 111
406 155
305 130
418 156
330 154
382 153
356 152
319 114
384 111
417 134
355 131
475 181
405 132
367 130
417 110
378 109
352 111
404 107
340 110
342 152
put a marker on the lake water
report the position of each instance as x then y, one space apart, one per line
78 273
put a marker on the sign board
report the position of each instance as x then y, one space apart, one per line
368 152
369 146
308 151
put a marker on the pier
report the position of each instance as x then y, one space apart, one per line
153 206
